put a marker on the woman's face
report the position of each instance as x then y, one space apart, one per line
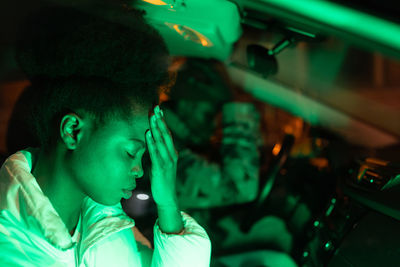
108 159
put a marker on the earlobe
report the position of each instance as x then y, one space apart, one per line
70 130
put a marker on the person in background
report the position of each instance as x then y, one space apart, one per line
209 175
60 203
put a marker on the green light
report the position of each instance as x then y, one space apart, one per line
331 207
345 19
305 254
371 181
302 32
328 245
316 223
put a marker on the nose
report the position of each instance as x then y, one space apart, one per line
137 171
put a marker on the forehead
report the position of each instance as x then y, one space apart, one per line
132 127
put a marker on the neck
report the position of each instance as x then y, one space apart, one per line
58 186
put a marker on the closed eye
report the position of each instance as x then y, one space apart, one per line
132 155
136 153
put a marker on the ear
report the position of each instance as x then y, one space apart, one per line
71 130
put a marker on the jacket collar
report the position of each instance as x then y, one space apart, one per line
22 196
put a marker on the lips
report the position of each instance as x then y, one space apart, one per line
130 188
126 193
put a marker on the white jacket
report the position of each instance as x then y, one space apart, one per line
33 234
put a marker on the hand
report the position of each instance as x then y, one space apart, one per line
164 160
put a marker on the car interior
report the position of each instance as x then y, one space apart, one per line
325 77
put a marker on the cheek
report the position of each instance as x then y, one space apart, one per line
102 175
110 168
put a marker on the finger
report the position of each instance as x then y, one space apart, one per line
166 134
159 142
154 155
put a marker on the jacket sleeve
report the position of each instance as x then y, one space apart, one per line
190 248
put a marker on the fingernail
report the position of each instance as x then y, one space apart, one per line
162 113
157 111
